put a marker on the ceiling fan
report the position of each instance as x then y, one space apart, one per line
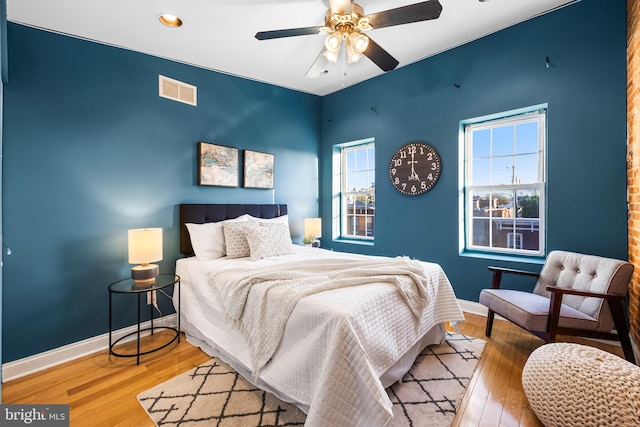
346 22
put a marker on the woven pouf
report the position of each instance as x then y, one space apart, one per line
575 385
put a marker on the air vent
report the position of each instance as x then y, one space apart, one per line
178 91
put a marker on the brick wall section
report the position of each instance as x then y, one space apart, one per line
633 160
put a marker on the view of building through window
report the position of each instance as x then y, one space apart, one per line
504 184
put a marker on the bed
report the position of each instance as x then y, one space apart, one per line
339 328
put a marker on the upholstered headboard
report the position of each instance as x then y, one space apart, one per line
202 213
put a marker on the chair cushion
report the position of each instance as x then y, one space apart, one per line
575 385
587 273
531 311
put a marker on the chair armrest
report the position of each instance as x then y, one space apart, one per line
514 271
497 274
582 293
613 300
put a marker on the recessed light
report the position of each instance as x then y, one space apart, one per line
170 20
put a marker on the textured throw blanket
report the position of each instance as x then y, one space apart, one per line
259 301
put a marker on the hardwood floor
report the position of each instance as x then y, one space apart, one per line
101 389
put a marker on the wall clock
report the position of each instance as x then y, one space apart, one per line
415 168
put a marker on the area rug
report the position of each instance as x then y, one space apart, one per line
213 394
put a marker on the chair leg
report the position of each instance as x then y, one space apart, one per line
490 316
621 327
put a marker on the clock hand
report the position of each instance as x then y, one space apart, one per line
414 175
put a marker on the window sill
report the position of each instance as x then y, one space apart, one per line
504 257
354 242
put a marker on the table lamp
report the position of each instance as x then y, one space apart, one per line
145 247
313 230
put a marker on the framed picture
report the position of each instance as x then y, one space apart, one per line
258 169
217 165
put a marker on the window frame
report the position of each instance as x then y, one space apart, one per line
468 189
340 192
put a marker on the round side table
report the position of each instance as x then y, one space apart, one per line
129 286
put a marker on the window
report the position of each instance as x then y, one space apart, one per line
356 191
504 183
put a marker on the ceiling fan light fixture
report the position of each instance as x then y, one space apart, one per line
331 56
356 45
360 42
170 20
333 42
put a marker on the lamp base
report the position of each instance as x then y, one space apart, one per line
145 274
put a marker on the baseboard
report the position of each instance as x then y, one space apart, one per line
473 307
39 362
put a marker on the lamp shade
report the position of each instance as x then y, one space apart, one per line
313 227
145 245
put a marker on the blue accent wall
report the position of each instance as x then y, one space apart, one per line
91 150
585 88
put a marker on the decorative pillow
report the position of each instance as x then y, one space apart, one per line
284 219
207 240
235 240
268 239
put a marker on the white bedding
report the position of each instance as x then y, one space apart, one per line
340 348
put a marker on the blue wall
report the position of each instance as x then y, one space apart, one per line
91 150
79 117
585 89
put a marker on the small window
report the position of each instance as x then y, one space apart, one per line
356 191
504 183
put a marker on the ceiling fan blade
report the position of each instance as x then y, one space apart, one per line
341 7
276 34
318 65
406 14
380 57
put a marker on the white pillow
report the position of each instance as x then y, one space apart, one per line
235 241
268 239
284 219
207 240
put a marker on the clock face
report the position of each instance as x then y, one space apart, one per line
415 168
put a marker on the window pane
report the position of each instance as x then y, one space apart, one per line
526 169
527 138
502 141
371 157
481 172
361 181
481 203
361 159
502 170
351 161
502 204
481 143
480 232
351 181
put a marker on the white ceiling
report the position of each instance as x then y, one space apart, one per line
219 34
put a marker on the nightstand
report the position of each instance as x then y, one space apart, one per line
129 286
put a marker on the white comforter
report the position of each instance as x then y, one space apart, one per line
344 339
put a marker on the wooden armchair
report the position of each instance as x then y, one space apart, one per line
568 299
